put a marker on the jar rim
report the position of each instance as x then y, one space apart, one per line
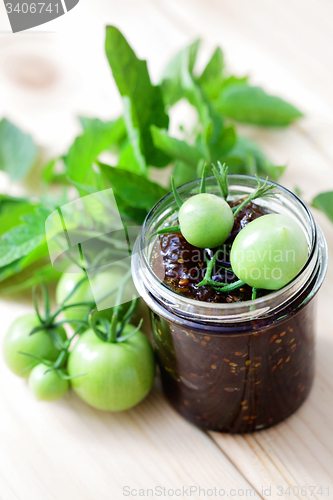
227 311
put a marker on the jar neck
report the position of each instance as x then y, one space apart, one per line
161 298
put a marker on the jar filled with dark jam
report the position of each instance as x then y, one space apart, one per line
228 362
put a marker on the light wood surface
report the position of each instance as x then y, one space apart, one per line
66 450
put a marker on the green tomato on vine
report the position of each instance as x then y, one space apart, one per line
103 283
112 374
23 351
47 384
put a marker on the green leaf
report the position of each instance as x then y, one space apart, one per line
83 189
324 202
135 190
252 105
129 212
116 128
21 240
179 150
143 102
27 279
171 81
211 79
18 152
219 146
134 135
11 212
127 158
96 138
179 83
234 80
48 174
237 159
183 173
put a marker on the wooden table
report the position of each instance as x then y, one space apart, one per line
68 451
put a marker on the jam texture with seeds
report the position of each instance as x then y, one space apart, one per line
182 266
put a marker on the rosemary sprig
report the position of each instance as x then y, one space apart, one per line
221 175
261 192
208 281
178 199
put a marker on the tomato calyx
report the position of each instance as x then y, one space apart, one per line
47 321
111 331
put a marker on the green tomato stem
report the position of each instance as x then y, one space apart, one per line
126 337
112 333
46 300
35 301
62 358
126 319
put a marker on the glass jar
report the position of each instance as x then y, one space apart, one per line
235 367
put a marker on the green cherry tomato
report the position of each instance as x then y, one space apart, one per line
113 376
47 385
205 220
103 283
269 252
38 344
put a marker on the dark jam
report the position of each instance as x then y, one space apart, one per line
237 377
182 266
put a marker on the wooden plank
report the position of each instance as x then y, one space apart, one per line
67 450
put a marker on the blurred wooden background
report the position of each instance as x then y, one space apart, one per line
48 76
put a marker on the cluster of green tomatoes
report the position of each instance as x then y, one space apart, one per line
111 365
266 254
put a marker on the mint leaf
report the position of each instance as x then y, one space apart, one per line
134 135
211 79
97 136
11 212
116 128
135 190
234 80
238 157
143 102
171 81
324 202
21 240
128 159
222 143
178 150
184 173
252 105
18 152
30 277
